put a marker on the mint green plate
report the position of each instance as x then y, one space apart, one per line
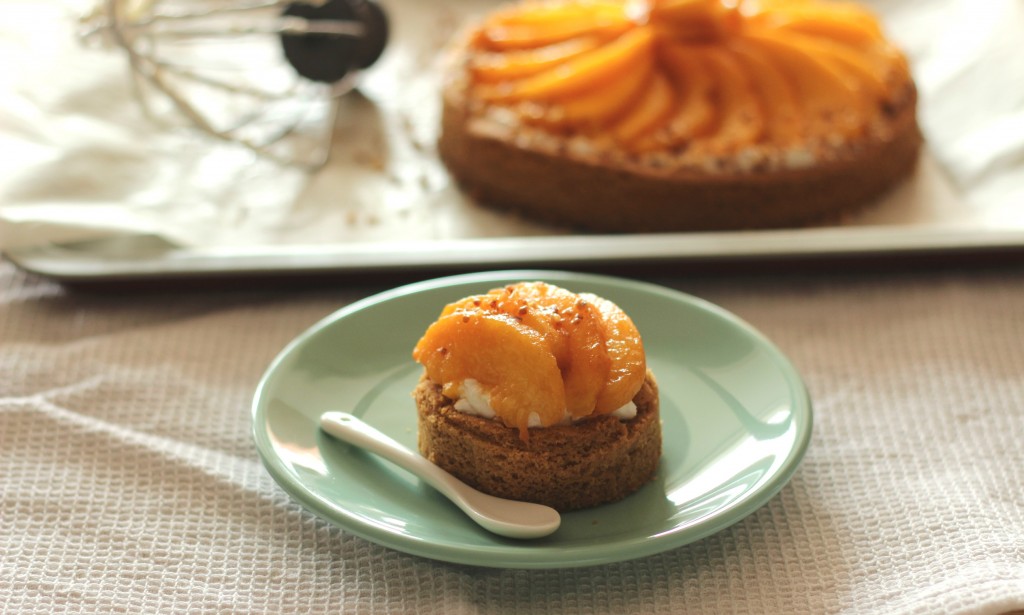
736 421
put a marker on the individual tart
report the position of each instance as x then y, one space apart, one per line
531 392
679 115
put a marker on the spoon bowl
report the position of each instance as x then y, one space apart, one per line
509 518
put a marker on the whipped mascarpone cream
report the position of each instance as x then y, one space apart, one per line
476 401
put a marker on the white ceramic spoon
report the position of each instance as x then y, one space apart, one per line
503 517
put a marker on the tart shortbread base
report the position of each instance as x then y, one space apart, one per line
553 179
592 462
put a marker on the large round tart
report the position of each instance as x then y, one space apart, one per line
679 115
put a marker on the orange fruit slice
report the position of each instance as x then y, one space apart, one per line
741 119
572 330
512 363
693 20
695 113
606 103
829 98
650 111
536 348
581 73
776 95
845 22
544 26
511 65
845 58
625 350
718 75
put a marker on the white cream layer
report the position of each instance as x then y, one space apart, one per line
476 401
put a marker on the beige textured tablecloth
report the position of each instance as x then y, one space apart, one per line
129 481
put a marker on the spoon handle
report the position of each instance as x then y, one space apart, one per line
504 517
349 428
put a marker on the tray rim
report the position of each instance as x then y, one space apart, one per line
79 263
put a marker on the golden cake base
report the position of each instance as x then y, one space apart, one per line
568 467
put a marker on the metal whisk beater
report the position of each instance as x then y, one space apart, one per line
258 72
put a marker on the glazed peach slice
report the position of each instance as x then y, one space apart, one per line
589 363
572 329
776 94
693 20
651 111
505 301
846 58
603 104
530 303
741 120
694 115
838 21
684 10
554 12
580 74
499 301
585 364
829 100
765 6
512 363
491 67
832 28
544 26
625 350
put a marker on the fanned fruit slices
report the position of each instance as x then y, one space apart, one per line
535 348
666 73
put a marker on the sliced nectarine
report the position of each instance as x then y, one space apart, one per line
511 300
828 97
650 111
856 63
536 348
586 365
741 119
604 104
511 362
845 22
776 95
684 9
510 65
693 20
694 115
572 330
847 32
581 73
552 12
626 352
545 27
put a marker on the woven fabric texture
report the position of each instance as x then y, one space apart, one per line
129 481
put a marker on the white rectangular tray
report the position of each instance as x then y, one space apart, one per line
384 203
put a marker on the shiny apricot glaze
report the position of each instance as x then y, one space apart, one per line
536 348
664 74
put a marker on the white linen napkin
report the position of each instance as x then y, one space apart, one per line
129 482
